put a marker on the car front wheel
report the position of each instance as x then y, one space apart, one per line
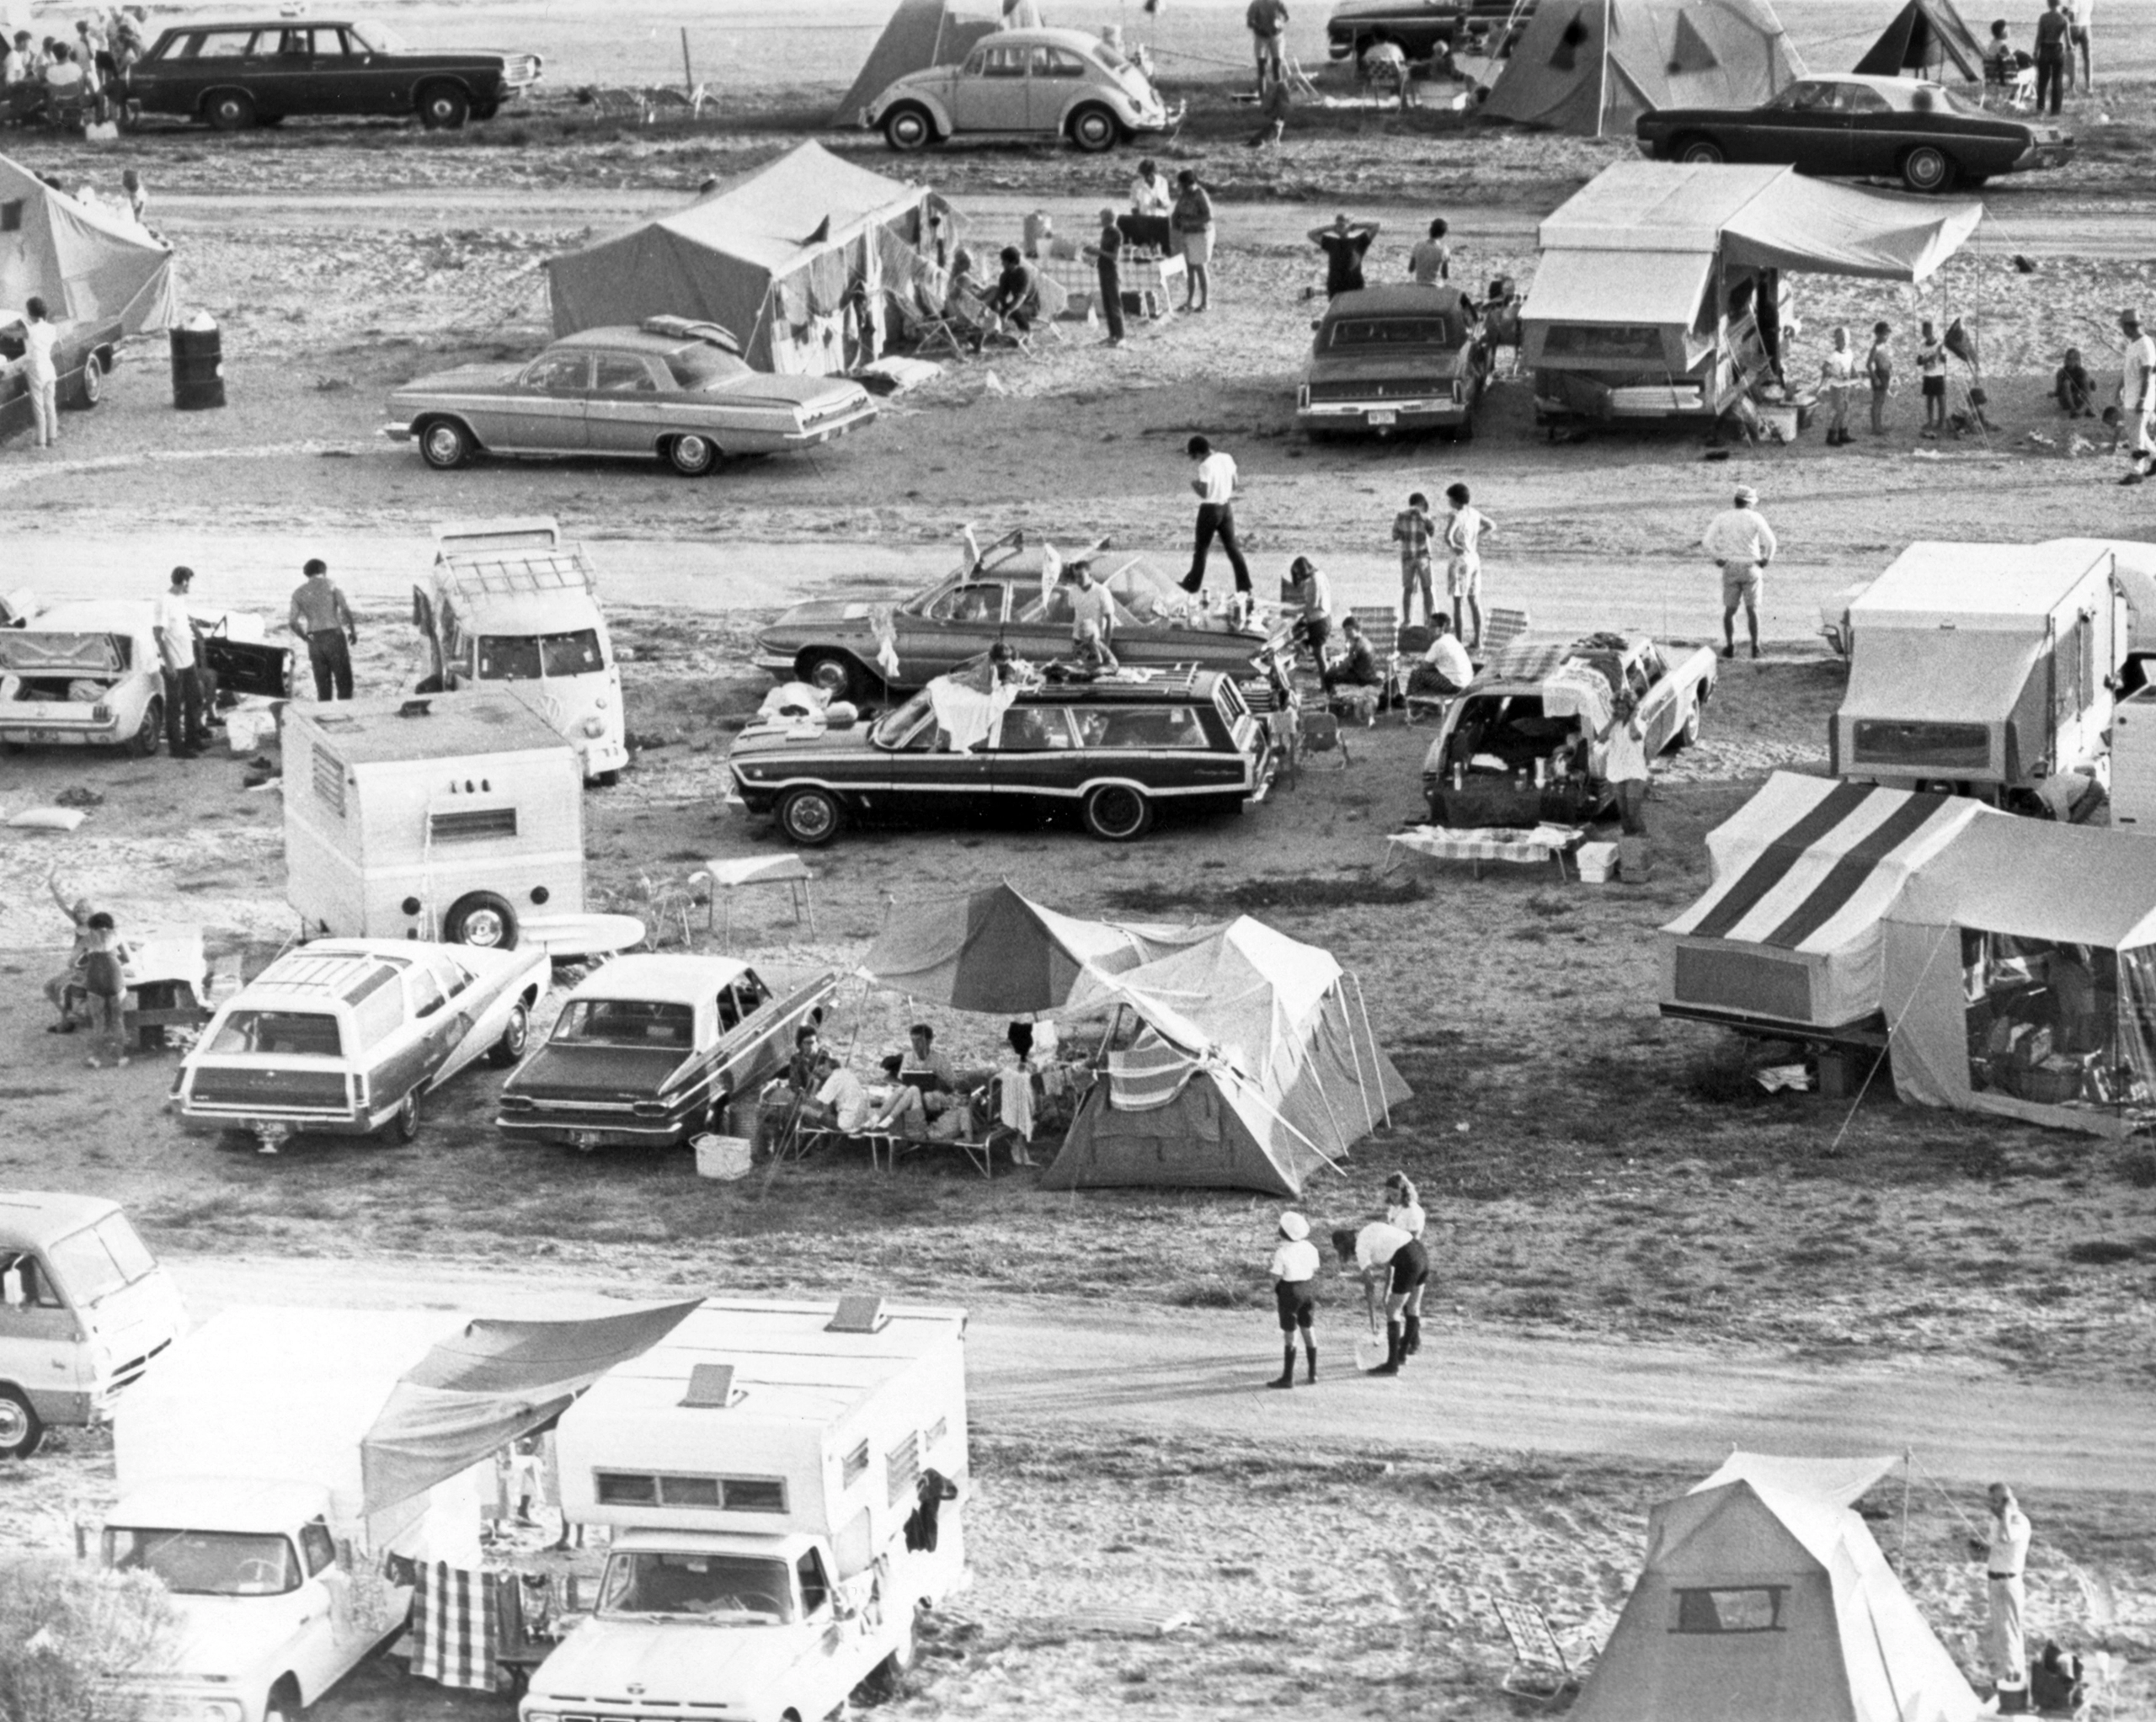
1927 169
20 1429
810 817
230 111
481 919
89 387
446 445
1093 129
692 456
832 671
908 128
1115 813
1703 152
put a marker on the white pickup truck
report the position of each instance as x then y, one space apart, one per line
783 1483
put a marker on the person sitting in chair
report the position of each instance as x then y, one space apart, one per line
1444 670
1357 667
1015 299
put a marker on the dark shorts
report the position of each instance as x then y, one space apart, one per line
1411 1267
1297 1303
1934 385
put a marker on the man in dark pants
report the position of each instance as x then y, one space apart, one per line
183 677
1215 486
2051 54
321 617
1107 253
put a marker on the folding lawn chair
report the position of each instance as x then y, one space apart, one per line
1540 1670
1380 625
1500 628
1321 733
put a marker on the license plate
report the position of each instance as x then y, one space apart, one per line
1385 415
44 738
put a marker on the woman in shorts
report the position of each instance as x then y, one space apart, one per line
1192 219
1295 1263
1384 1256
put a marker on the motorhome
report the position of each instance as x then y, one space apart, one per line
85 1310
783 1485
454 817
1987 670
509 605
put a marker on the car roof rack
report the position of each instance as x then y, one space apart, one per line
532 571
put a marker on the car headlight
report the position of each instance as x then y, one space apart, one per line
594 727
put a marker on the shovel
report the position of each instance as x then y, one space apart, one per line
1377 1347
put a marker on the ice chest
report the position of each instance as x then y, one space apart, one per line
725 1158
1597 862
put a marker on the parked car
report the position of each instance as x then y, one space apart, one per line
1025 83
1395 358
346 1036
1921 133
1422 27
1525 742
233 73
87 351
1113 752
668 388
997 594
648 1050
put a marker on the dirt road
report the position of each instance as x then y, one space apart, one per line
1051 1366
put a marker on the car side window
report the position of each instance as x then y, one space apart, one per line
423 991
224 44
450 975
331 44
1806 97
729 1011
317 1547
26 1285
755 995
1034 729
296 45
559 373
1145 727
1857 99
623 374
815 1589
968 603
1055 62
1003 62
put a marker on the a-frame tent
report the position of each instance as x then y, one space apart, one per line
1925 38
1592 66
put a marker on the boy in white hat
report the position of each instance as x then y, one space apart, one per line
1294 1268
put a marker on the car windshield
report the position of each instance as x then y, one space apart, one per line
378 39
625 1022
1395 331
206 1563
528 657
298 1034
1141 595
893 729
704 366
721 1590
93 1263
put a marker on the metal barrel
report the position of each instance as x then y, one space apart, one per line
198 369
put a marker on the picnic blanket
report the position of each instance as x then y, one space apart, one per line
1483 843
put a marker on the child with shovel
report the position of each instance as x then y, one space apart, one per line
1383 1254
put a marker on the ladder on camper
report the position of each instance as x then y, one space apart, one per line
520 572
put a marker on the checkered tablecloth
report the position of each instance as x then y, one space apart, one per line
1082 280
1487 843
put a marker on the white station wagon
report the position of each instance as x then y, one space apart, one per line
342 1037
1024 83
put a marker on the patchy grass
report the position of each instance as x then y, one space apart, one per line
1303 895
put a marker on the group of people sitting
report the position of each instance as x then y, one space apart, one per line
1444 667
59 81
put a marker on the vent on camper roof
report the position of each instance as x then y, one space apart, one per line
859 1312
710 1387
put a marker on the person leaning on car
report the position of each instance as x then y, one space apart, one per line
321 617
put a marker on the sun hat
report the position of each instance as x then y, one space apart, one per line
1295 1228
1746 493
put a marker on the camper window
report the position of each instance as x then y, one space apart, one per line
1637 344
714 1494
2073 679
902 1469
856 1467
1934 749
1753 1609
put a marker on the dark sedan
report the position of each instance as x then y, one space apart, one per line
87 351
233 73
1861 127
1395 358
1422 27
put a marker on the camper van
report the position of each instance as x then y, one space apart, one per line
783 1487
243 1489
1987 670
510 605
452 817
84 1310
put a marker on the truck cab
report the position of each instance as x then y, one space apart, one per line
84 1310
271 1614
510 605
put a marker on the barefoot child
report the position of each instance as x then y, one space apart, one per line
1879 368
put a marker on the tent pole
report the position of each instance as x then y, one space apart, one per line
1326 1100
1218 1071
1384 1099
1602 74
1354 1054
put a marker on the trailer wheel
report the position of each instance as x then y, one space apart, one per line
20 1430
481 919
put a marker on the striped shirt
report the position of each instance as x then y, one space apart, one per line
1412 528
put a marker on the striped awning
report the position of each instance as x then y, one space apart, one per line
1809 864
1150 1075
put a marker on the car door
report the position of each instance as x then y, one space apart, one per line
438 1022
331 1638
962 623
219 59
474 1013
990 95
624 415
285 80
38 1345
546 411
1053 78
1038 765
929 782
1803 126
335 76
1872 142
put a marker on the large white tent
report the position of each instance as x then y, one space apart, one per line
87 262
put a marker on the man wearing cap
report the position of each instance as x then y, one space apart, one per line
321 617
176 651
2137 396
1741 541
2005 1552
1295 1266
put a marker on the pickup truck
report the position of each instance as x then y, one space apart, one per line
1527 741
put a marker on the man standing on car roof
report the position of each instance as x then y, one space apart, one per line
321 617
1268 23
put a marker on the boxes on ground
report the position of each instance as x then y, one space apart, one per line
725 1158
1634 859
1597 862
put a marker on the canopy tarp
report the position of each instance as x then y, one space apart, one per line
921 33
1925 37
1594 66
2070 884
1650 287
483 1387
998 952
85 261
1758 216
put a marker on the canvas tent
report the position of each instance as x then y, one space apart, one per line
1254 1066
1789 931
1594 66
1926 37
85 261
794 258
1764 1599
1000 953
2021 975
925 33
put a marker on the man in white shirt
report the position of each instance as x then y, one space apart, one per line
1465 528
176 656
40 335
2005 1553
1294 1265
1215 484
1385 1256
1742 543
1149 192
842 1098
1092 620
2079 15
1446 668
2137 396
1430 262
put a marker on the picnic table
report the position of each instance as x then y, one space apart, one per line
1485 843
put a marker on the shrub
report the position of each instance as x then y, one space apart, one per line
68 1633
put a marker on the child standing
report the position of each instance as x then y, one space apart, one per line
1931 371
1879 368
1294 1268
1465 531
104 983
1412 530
1836 375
